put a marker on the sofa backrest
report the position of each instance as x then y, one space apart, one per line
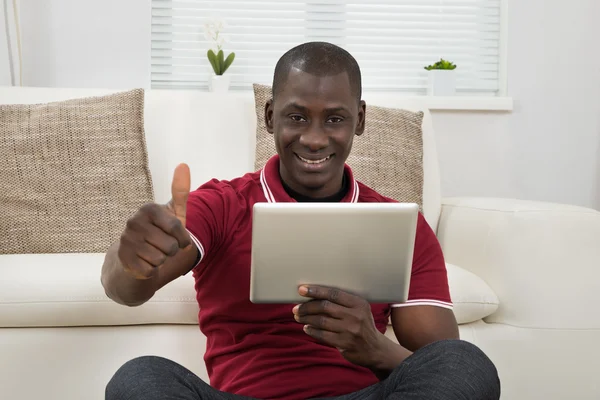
215 134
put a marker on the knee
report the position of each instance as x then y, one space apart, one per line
130 380
466 359
451 364
460 351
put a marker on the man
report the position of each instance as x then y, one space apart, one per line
330 346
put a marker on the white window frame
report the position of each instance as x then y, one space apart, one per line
500 102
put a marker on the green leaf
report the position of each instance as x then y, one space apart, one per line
212 58
220 61
228 61
442 64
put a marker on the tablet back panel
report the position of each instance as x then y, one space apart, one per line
363 248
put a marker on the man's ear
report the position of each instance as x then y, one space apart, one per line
269 115
362 115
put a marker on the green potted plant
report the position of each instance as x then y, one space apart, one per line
218 82
442 78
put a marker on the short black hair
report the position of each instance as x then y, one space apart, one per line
320 59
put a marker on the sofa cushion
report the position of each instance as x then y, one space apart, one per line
71 173
64 290
388 157
472 297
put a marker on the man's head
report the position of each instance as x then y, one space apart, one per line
315 112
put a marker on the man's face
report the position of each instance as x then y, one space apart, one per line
314 120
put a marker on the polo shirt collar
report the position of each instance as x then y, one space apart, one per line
274 192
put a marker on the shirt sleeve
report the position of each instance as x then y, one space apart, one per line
210 211
429 278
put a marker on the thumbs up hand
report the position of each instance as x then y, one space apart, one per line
157 232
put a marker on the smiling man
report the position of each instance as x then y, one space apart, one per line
332 346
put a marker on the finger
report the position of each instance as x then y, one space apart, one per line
172 226
320 307
134 265
141 270
180 190
151 254
322 322
154 236
333 295
165 243
332 339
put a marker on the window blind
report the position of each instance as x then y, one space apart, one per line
392 40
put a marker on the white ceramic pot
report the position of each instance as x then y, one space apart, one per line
219 83
441 82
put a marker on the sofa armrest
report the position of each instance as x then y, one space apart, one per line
541 259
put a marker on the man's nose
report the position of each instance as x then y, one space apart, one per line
314 138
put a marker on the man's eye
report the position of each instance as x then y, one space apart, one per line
335 120
297 118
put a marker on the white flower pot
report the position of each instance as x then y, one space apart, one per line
441 82
219 83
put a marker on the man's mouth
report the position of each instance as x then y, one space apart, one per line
314 161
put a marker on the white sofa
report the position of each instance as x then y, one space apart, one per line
61 338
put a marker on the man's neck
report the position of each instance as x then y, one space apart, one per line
337 197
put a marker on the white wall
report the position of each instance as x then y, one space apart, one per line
596 202
86 43
548 148
6 34
4 67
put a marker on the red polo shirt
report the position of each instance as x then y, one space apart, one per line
259 350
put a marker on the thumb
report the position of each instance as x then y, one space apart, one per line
180 190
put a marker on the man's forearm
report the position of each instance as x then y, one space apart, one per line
121 286
392 355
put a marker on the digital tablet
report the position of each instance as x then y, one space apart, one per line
362 248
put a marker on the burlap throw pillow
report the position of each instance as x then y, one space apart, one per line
71 173
388 157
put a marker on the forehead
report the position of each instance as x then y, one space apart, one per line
305 87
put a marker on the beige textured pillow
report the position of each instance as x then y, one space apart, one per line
388 157
71 173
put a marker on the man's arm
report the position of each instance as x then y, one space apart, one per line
154 249
418 326
122 287
163 242
427 316
415 327
345 321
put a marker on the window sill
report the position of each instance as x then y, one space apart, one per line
458 103
442 103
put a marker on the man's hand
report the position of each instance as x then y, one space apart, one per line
156 231
345 321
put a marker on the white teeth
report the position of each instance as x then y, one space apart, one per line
314 161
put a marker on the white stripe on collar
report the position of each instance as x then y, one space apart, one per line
266 190
355 194
271 199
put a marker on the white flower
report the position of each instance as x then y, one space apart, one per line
213 27
208 35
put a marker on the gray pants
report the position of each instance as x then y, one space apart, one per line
445 370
